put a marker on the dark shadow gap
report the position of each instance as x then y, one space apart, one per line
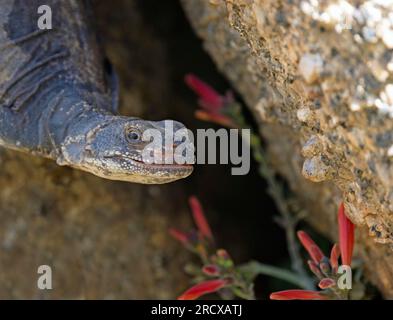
238 207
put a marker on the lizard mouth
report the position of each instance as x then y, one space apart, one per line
138 162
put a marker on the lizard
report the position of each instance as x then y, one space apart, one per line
59 97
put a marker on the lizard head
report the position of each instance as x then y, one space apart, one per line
135 150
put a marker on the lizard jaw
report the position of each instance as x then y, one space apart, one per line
133 169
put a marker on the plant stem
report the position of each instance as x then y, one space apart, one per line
255 268
288 222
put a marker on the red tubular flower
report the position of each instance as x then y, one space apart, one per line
210 99
334 254
325 266
211 270
222 253
203 288
326 283
215 118
346 236
179 236
313 250
314 268
297 295
199 218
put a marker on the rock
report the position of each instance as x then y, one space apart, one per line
310 67
285 57
316 170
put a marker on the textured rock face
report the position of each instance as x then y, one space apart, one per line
317 77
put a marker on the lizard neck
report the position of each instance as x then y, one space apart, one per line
66 123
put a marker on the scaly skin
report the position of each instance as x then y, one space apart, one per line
57 98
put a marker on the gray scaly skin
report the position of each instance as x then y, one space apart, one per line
57 100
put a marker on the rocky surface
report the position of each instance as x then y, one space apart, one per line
317 76
103 239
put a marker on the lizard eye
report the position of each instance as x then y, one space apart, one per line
133 135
